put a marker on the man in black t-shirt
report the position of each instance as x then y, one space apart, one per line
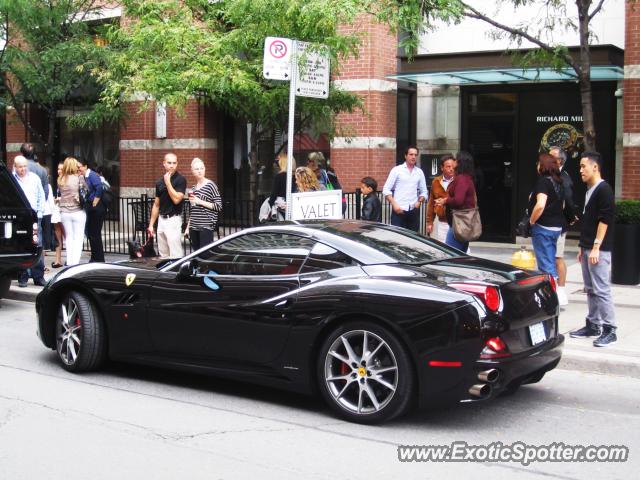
596 239
167 209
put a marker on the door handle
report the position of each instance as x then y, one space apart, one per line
284 304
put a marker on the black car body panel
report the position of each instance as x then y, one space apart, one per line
268 326
17 248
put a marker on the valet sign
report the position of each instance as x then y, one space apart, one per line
324 205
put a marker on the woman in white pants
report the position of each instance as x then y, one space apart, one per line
73 216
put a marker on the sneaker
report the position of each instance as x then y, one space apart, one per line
41 282
562 296
589 330
607 338
22 284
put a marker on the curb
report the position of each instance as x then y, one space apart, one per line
600 362
25 294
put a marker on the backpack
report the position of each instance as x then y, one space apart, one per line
107 195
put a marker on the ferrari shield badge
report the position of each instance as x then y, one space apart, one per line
129 279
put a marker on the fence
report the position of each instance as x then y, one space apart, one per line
128 218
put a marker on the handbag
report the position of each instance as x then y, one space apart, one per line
83 194
466 223
524 227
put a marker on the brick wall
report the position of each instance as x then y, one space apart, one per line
377 58
631 117
141 154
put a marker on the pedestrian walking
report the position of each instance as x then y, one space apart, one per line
436 215
371 206
32 188
596 241
546 205
72 213
206 203
406 189
167 209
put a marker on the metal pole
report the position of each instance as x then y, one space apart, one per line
292 114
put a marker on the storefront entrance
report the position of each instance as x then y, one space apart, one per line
505 127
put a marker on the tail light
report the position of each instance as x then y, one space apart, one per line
494 347
487 293
552 281
34 237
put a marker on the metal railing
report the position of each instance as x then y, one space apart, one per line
128 217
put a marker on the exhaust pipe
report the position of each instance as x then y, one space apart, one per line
480 390
490 375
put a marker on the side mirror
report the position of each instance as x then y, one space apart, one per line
185 272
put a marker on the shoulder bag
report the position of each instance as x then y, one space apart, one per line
466 223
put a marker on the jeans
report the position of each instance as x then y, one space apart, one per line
452 241
408 219
544 246
37 271
597 283
74 223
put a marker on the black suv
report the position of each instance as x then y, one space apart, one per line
18 230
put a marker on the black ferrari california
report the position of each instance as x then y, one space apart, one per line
372 317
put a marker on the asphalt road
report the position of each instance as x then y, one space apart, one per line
133 422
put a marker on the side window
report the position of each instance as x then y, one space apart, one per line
256 254
323 257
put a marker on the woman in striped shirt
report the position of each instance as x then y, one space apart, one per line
206 203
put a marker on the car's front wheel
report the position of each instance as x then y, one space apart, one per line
365 374
80 335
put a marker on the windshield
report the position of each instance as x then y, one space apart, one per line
399 245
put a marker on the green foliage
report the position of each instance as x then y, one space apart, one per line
175 50
628 212
49 53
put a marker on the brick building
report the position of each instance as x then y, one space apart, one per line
430 101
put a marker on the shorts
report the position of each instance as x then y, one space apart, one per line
560 245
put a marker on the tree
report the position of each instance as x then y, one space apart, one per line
555 16
46 60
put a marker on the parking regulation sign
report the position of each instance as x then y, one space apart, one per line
313 77
276 63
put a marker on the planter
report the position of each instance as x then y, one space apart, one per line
625 255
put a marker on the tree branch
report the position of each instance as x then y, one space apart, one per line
471 12
596 10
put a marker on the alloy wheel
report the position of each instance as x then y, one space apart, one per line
69 331
361 372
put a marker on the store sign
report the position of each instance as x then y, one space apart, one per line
324 205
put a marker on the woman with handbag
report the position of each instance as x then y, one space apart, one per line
462 205
278 195
72 187
547 220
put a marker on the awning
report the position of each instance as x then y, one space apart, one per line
509 75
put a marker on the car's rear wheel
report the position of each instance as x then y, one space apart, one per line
80 335
365 374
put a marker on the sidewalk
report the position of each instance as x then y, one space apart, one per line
623 358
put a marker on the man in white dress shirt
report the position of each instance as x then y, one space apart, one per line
406 189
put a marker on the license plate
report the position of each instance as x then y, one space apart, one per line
537 333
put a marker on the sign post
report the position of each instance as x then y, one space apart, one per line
280 62
290 132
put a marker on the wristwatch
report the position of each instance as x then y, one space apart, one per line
596 242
